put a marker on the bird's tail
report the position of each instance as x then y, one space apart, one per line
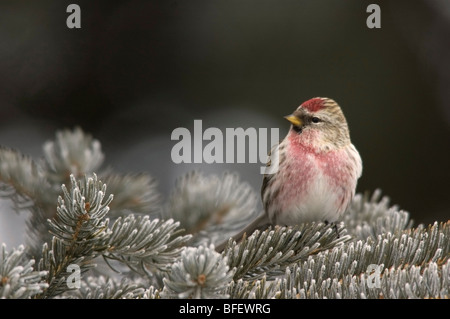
260 223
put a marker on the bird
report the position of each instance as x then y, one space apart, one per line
312 173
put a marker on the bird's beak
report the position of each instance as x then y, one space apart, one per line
294 120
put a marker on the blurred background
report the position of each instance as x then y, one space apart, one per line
136 70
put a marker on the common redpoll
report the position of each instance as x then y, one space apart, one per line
318 169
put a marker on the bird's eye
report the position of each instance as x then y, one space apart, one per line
315 119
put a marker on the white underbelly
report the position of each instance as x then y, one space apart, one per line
318 202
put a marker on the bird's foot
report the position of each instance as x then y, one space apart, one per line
334 225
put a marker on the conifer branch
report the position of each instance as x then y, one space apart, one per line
21 179
81 233
133 192
270 251
18 279
141 242
211 208
156 258
107 288
200 273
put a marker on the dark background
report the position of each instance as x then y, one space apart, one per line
137 70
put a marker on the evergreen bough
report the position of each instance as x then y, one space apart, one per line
127 243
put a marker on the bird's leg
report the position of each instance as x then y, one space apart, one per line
334 225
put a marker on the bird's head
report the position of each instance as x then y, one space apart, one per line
320 123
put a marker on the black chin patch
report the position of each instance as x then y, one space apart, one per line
297 129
